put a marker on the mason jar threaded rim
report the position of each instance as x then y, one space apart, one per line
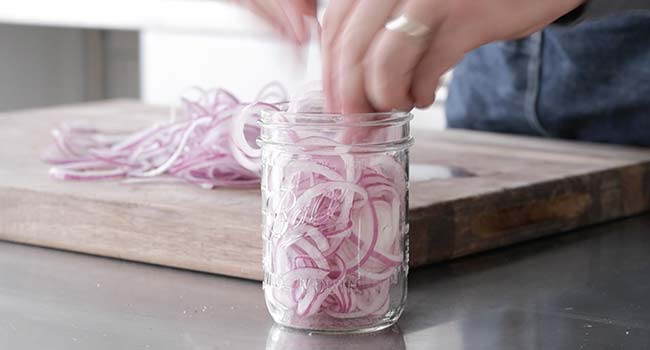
375 119
282 121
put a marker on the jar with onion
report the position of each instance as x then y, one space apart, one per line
335 218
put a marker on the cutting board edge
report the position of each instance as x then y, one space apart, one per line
32 230
634 181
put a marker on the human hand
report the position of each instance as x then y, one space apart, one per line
368 68
287 17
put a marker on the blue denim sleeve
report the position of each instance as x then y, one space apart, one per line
587 82
594 9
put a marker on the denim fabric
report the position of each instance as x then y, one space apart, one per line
589 82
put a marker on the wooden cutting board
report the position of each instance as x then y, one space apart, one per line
470 192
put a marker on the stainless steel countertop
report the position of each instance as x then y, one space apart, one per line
585 290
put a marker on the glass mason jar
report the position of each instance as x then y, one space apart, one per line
335 219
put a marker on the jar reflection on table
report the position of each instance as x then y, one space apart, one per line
283 338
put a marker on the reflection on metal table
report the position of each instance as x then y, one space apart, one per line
584 290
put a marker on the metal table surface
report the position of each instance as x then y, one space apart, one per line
585 290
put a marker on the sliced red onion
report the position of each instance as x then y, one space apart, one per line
334 223
210 144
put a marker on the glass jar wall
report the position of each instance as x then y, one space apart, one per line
335 219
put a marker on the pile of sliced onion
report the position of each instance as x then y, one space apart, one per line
211 143
334 230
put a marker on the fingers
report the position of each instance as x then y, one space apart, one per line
397 77
333 22
390 66
365 22
446 47
286 16
295 23
368 68
308 8
438 59
295 12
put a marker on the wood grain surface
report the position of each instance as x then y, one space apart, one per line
470 192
